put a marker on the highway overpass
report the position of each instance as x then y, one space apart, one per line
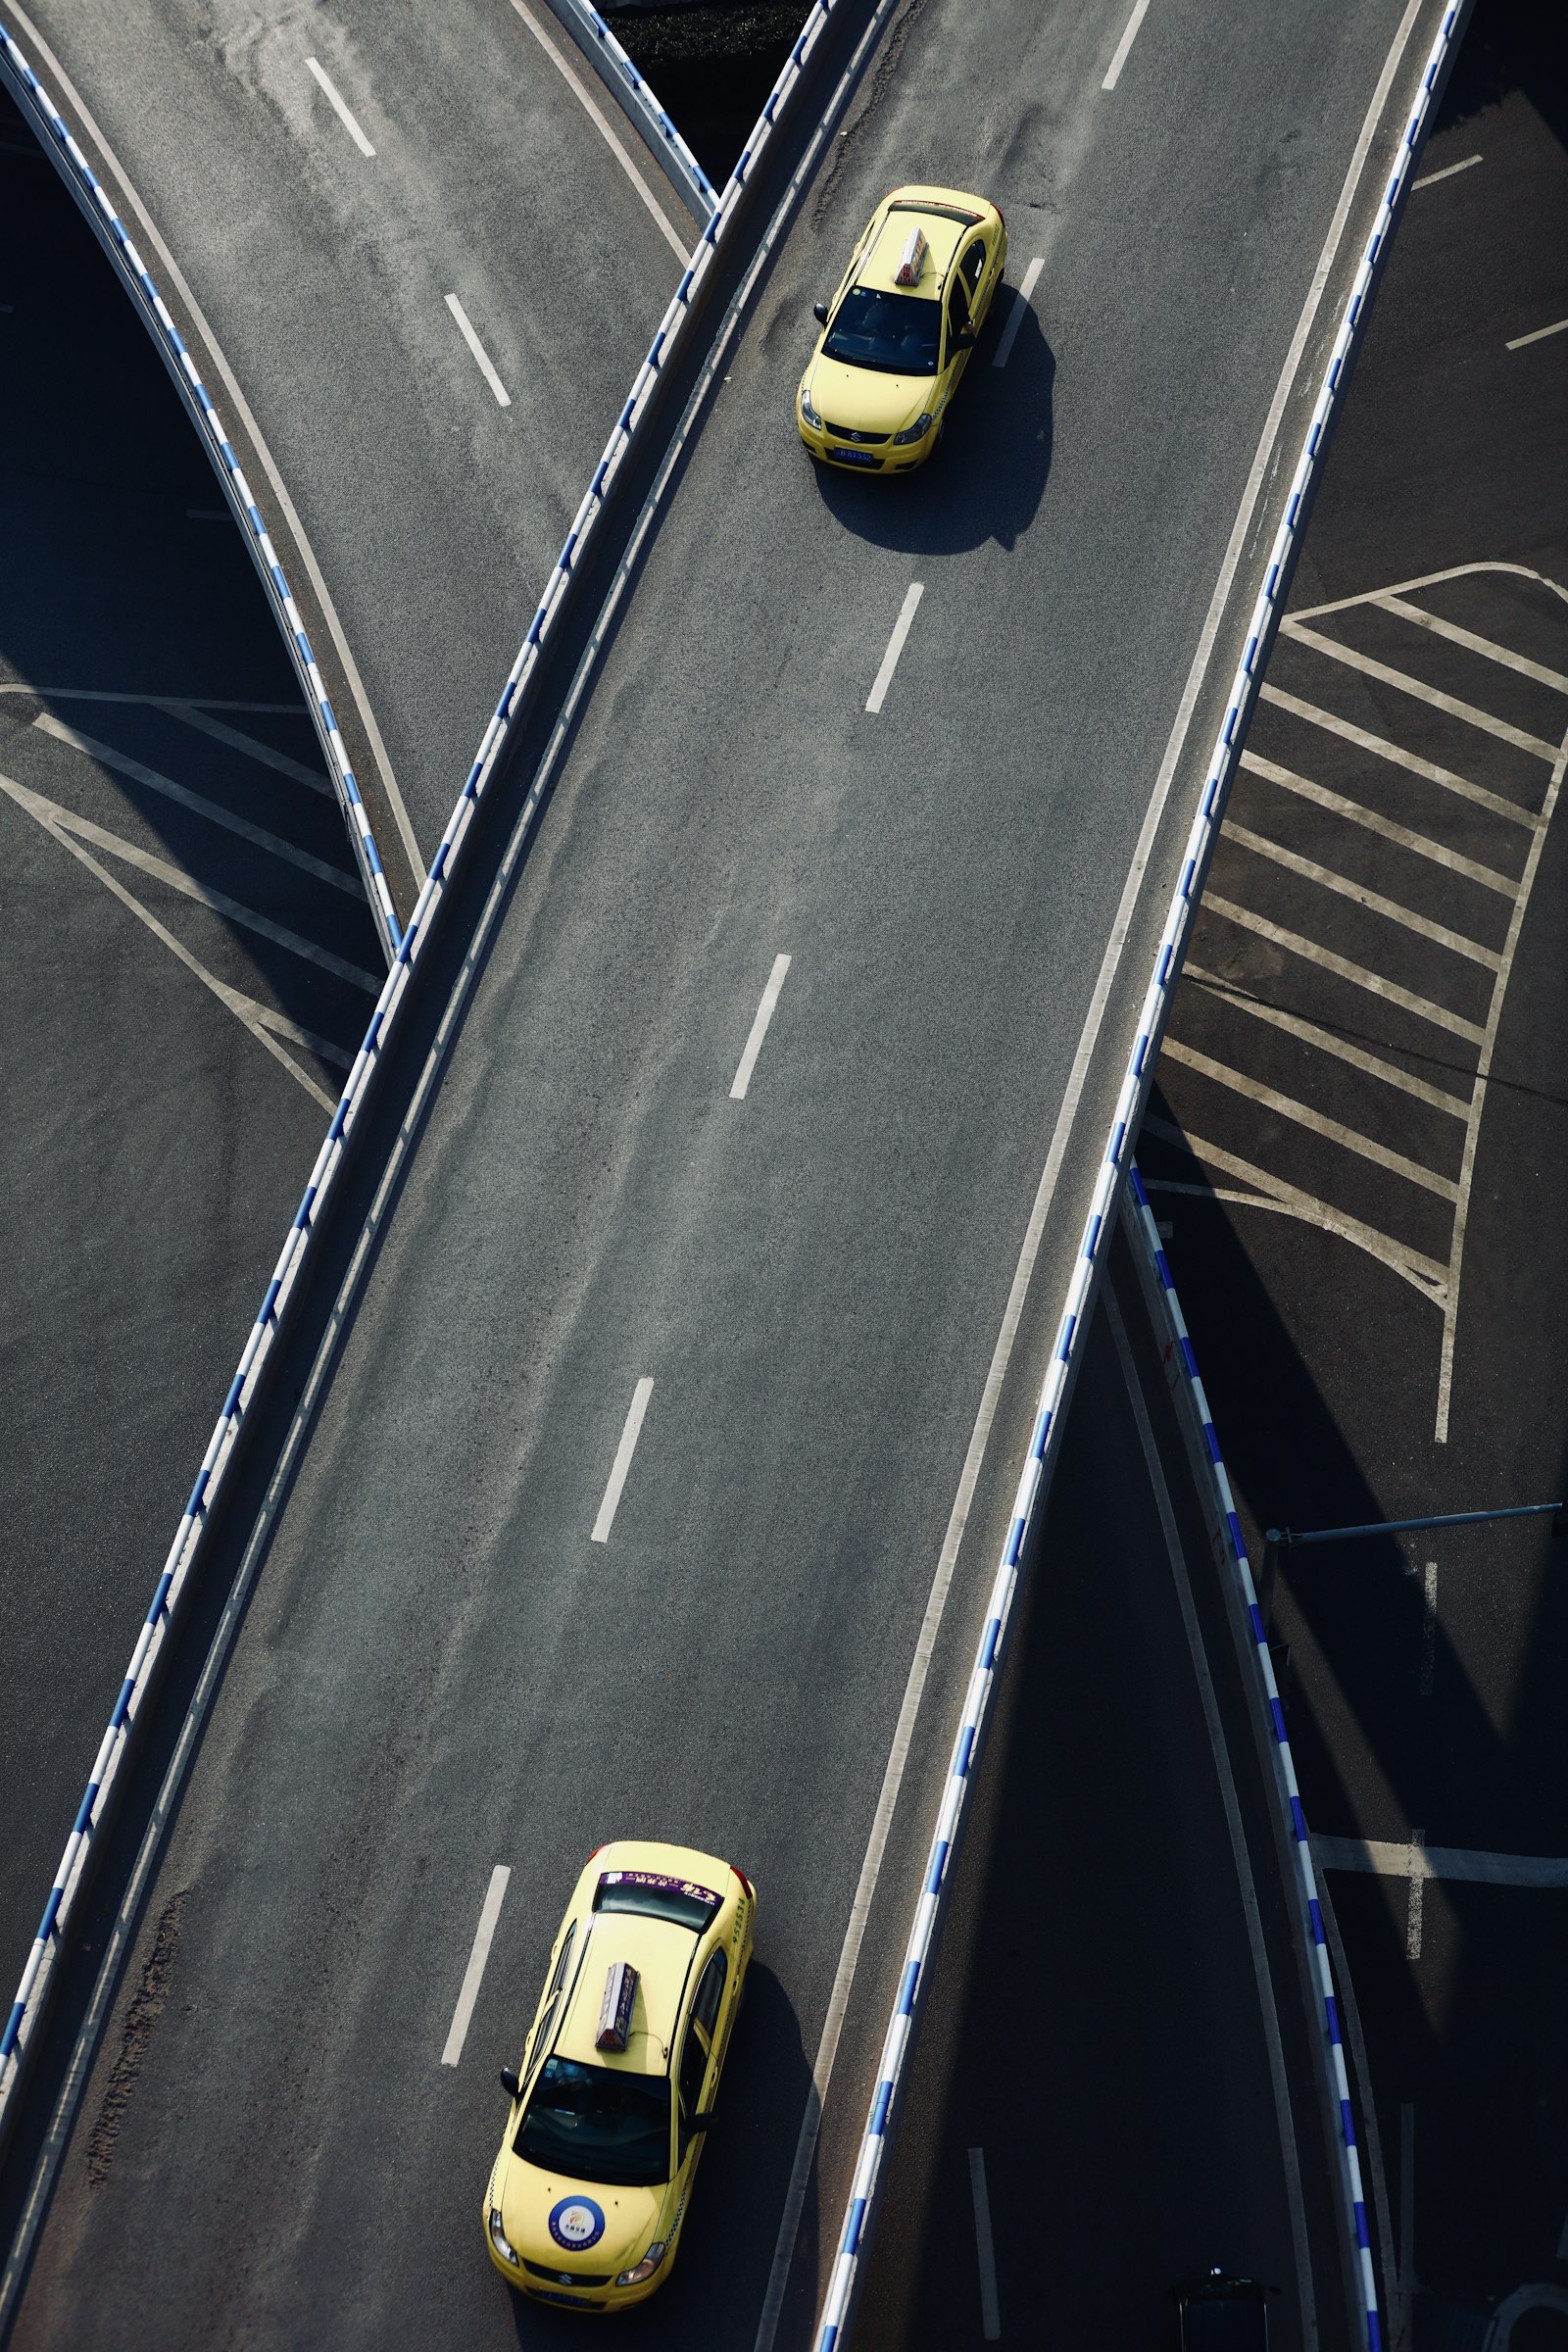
466 1643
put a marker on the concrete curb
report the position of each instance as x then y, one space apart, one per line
627 86
18 2036
1092 1250
1225 1532
61 145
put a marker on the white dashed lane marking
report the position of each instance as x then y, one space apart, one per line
1124 45
985 2248
623 1462
473 1974
482 358
1016 316
335 101
754 1043
890 659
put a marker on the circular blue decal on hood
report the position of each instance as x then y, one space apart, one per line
576 2223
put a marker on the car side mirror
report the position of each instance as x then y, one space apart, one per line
702 2120
819 312
964 337
510 2083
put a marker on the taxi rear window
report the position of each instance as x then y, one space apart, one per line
651 1895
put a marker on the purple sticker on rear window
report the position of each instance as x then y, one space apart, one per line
664 1885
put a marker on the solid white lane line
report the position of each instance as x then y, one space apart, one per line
473 1974
1344 968
1489 645
1429 1629
1140 11
107 757
1357 813
1240 1857
1430 179
1359 896
335 101
1062 1134
1326 1040
623 1462
1398 756
1392 1858
1557 327
259 1019
890 659
252 747
486 369
754 1043
591 107
1272 1192
177 879
1285 1106
985 2248
1405 684
1015 317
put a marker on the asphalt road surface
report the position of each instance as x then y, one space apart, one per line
187 964
415 518
1377 1282
1117 2001
468 1643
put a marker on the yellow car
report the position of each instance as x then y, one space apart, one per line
615 2091
898 334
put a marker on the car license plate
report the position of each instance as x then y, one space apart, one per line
854 456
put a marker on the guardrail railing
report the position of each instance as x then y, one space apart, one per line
1208 1464
634 92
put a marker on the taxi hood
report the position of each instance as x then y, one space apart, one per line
863 400
577 2226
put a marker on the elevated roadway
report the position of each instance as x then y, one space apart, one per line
469 1642
416 517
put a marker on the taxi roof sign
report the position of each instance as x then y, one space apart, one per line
912 261
614 2009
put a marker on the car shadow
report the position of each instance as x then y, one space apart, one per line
716 2290
986 479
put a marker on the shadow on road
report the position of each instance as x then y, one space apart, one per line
987 479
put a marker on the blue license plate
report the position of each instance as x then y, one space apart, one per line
853 457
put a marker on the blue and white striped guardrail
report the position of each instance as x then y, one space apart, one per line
620 76
892 2068
32 97
16 2038
1139 1221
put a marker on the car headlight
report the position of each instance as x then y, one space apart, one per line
498 2238
809 413
917 431
648 2265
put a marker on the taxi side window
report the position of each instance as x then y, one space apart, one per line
710 1993
557 1977
972 267
958 312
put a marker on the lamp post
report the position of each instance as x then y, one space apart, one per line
1281 1539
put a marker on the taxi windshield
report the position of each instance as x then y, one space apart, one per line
897 334
594 2123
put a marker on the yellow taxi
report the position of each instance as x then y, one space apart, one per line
898 334
615 2094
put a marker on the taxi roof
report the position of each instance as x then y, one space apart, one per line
943 231
661 1953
